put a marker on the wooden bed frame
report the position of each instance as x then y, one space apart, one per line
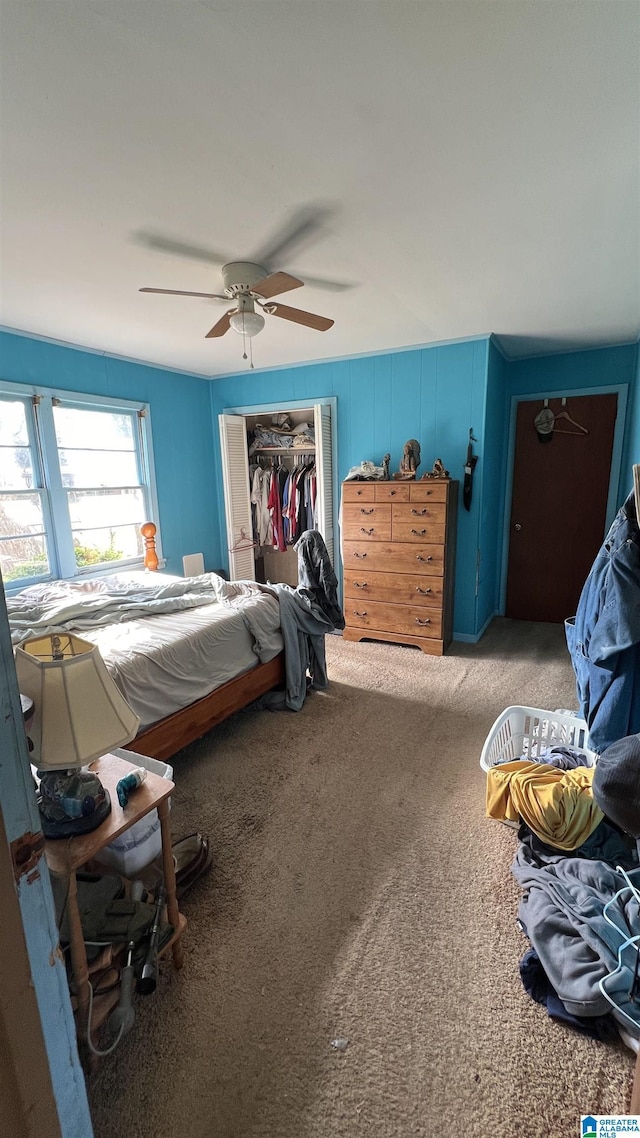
170 735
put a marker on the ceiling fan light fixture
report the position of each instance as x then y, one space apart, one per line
246 323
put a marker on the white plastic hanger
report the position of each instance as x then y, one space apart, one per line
565 415
243 542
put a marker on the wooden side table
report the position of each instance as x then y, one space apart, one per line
66 856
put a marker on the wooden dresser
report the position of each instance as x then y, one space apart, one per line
398 546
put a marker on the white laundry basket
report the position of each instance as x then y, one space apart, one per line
525 731
141 843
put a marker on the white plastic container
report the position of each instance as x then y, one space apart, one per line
142 842
526 731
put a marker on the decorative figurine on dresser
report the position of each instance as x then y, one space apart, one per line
410 460
398 546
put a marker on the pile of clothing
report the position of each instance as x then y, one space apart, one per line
306 614
281 433
577 864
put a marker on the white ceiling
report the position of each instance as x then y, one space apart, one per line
477 164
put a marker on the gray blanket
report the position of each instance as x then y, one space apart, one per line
562 912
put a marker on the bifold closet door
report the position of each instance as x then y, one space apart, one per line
324 469
237 504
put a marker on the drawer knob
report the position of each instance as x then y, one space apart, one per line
418 557
419 532
424 591
356 613
369 531
360 555
391 493
363 511
419 512
360 584
418 621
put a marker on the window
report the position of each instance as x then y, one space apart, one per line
75 485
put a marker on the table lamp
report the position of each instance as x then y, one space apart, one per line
79 715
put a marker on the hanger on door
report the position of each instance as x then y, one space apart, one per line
567 417
243 542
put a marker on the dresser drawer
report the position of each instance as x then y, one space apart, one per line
418 522
392 492
404 619
358 492
393 557
366 521
394 588
428 491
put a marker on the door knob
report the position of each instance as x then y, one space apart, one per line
518 526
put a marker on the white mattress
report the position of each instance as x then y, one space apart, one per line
163 663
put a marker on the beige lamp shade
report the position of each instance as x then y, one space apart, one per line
79 713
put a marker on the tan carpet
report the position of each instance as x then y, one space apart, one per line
359 893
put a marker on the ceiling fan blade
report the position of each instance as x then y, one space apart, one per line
276 283
328 286
179 248
221 327
305 223
179 292
309 319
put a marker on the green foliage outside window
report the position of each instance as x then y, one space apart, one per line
37 565
90 555
33 568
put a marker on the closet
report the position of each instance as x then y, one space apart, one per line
279 450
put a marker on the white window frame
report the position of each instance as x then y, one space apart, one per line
39 404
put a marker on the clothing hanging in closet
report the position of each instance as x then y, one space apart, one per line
283 502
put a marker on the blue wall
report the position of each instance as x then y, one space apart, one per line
631 453
180 422
432 394
492 472
600 367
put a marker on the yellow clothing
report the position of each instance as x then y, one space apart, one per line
557 805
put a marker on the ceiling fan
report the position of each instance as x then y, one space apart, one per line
248 285
253 283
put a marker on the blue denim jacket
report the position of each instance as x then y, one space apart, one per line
604 636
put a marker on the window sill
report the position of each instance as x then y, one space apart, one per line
12 587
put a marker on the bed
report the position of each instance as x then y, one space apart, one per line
185 652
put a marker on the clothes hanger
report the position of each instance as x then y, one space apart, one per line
243 542
546 419
565 415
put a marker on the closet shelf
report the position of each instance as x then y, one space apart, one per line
284 450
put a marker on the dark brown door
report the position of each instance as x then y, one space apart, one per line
558 512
